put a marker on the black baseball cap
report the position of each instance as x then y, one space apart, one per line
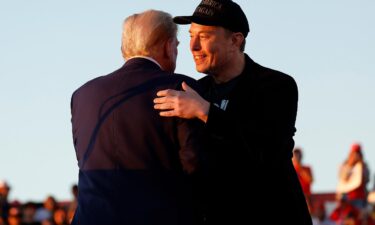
224 13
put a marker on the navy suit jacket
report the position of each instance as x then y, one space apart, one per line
134 165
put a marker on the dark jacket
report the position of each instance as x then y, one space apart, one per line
250 173
133 163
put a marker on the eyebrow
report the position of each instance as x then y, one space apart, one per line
204 32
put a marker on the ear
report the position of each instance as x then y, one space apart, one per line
168 48
237 39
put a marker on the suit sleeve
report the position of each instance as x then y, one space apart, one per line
189 134
190 137
74 122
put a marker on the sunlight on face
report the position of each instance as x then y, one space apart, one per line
210 46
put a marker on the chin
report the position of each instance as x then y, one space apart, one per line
202 70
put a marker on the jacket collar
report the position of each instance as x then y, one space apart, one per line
143 62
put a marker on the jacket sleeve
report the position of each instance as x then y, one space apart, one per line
190 137
189 133
277 127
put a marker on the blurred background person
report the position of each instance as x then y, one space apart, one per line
60 217
14 215
354 177
73 204
4 203
305 175
345 212
46 212
320 216
28 213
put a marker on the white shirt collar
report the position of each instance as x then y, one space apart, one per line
146 57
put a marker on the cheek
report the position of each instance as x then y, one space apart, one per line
221 53
212 49
191 44
214 53
174 52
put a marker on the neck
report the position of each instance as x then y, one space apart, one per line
166 63
232 69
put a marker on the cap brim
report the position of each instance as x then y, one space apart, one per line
182 19
195 19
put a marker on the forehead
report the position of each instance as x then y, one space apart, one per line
198 28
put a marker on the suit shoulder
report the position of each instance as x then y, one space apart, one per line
193 83
182 77
94 83
91 82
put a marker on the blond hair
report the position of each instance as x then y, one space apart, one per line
143 34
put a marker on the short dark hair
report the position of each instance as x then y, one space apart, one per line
243 44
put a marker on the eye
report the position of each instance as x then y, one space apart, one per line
204 36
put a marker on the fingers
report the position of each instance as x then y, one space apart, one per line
169 113
160 100
165 101
167 92
164 106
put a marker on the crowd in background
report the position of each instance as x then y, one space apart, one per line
49 212
354 205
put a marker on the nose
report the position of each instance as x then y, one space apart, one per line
195 44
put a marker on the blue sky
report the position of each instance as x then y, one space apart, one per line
50 48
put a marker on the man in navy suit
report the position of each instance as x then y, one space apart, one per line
135 167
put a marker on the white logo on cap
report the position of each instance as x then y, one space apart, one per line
212 3
206 11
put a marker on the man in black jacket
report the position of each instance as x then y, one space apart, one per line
249 113
135 167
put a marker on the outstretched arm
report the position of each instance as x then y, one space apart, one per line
186 104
